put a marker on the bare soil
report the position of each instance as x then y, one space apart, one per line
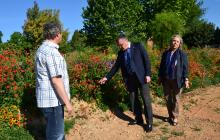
199 120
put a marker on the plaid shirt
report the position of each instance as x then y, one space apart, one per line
49 63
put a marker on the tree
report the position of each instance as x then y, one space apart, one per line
187 10
17 38
19 41
1 34
104 19
77 40
217 36
33 26
165 25
201 34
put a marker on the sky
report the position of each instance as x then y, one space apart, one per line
13 13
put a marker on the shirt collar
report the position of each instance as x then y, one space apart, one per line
52 44
129 44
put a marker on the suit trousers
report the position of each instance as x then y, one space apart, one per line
134 88
172 96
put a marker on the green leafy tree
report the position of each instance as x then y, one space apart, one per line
187 10
19 41
64 44
1 34
77 40
217 36
104 19
33 26
201 34
165 25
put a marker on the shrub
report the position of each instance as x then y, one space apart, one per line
10 116
85 72
14 133
16 74
16 86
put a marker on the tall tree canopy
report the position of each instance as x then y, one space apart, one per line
164 26
1 34
33 26
77 40
104 19
217 36
200 35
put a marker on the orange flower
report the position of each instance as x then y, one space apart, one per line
15 88
16 95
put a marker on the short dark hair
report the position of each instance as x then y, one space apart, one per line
121 36
51 30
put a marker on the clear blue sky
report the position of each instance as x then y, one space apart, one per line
13 13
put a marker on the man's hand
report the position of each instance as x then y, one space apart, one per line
187 83
103 81
147 79
60 90
69 108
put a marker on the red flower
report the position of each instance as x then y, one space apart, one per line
15 88
16 95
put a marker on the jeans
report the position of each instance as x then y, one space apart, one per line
54 122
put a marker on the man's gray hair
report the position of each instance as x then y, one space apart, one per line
51 30
177 36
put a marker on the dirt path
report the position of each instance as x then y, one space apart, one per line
199 120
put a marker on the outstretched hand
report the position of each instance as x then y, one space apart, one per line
147 79
187 84
103 81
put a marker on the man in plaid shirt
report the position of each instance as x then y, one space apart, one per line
52 82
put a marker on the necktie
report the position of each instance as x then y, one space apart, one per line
128 60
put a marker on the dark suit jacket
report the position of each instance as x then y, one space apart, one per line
140 63
181 67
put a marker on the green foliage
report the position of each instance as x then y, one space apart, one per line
85 72
139 19
216 78
201 33
187 10
204 67
1 34
19 41
68 125
103 20
155 87
33 26
165 25
16 75
89 66
217 36
14 134
17 88
65 48
78 40
177 133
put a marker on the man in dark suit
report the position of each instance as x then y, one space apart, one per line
173 74
136 71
